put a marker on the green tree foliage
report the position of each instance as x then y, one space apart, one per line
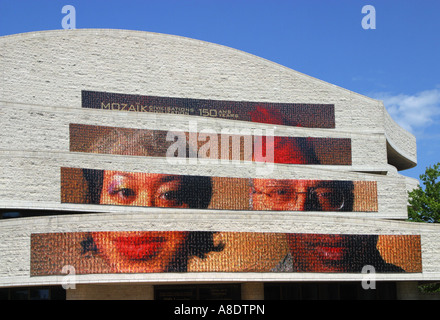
430 288
424 203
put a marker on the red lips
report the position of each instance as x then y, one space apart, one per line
330 253
320 253
139 247
328 247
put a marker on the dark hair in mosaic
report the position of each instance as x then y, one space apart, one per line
364 252
94 179
199 244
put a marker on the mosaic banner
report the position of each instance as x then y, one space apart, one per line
199 251
289 114
158 143
106 187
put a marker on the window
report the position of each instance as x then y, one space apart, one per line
328 291
33 293
198 292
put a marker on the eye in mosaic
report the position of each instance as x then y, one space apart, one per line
107 187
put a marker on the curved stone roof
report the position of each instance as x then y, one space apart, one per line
48 68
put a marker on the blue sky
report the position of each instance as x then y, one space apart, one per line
398 62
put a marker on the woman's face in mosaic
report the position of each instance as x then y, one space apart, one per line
141 251
142 189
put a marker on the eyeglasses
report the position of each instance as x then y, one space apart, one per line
313 199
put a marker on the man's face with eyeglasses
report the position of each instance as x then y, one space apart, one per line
296 195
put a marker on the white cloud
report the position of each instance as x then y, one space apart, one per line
413 112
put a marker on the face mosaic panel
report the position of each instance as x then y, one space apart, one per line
106 187
200 251
158 143
289 114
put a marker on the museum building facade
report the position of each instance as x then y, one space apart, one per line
138 165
